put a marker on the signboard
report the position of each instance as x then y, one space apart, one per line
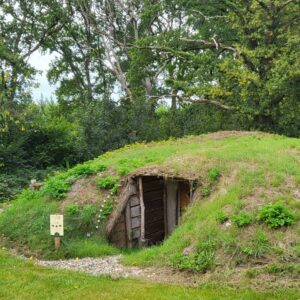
57 225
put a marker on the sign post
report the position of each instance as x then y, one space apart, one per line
57 229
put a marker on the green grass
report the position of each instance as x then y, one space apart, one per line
22 280
238 173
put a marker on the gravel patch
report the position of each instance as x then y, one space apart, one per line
95 266
111 266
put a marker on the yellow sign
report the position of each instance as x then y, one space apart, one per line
57 225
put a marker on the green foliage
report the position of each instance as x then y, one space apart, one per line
109 182
257 246
205 191
83 170
276 215
79 220
106 209
290 269
214 175
202 260
56 188
222 217
242 219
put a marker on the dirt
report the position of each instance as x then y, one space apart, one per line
85 191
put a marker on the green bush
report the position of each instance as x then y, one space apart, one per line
214 174
205 191
56 188
72 209
242 220
276 215
81 170
202 260
109 182
222 217
100 167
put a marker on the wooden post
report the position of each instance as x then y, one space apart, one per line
142 240
128 225
57 242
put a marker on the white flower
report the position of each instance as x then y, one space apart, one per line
97 227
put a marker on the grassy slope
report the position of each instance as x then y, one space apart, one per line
256 169
23 280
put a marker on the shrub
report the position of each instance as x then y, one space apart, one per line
202 259
276 215
56 188
100 167
214 174
72 209
222 217
205 191
123 170
81 170
257 246
107 182
241 220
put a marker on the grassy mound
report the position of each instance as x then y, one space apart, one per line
247 213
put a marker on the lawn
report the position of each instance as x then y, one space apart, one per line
22 280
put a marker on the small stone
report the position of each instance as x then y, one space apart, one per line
188 250
227 223
297 194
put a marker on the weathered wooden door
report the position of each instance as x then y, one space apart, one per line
153 192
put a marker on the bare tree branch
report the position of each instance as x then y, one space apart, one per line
197 99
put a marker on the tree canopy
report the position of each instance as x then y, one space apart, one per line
138 70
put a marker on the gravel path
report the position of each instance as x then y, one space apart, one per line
111 266
95 266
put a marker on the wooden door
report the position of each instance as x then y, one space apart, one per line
153 194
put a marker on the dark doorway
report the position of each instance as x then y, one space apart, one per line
153 194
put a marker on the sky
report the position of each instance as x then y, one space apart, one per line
41 62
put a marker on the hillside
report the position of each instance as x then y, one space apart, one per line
244 215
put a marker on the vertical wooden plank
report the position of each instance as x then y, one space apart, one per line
128 225
165 206
142 239
178 204
191 190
